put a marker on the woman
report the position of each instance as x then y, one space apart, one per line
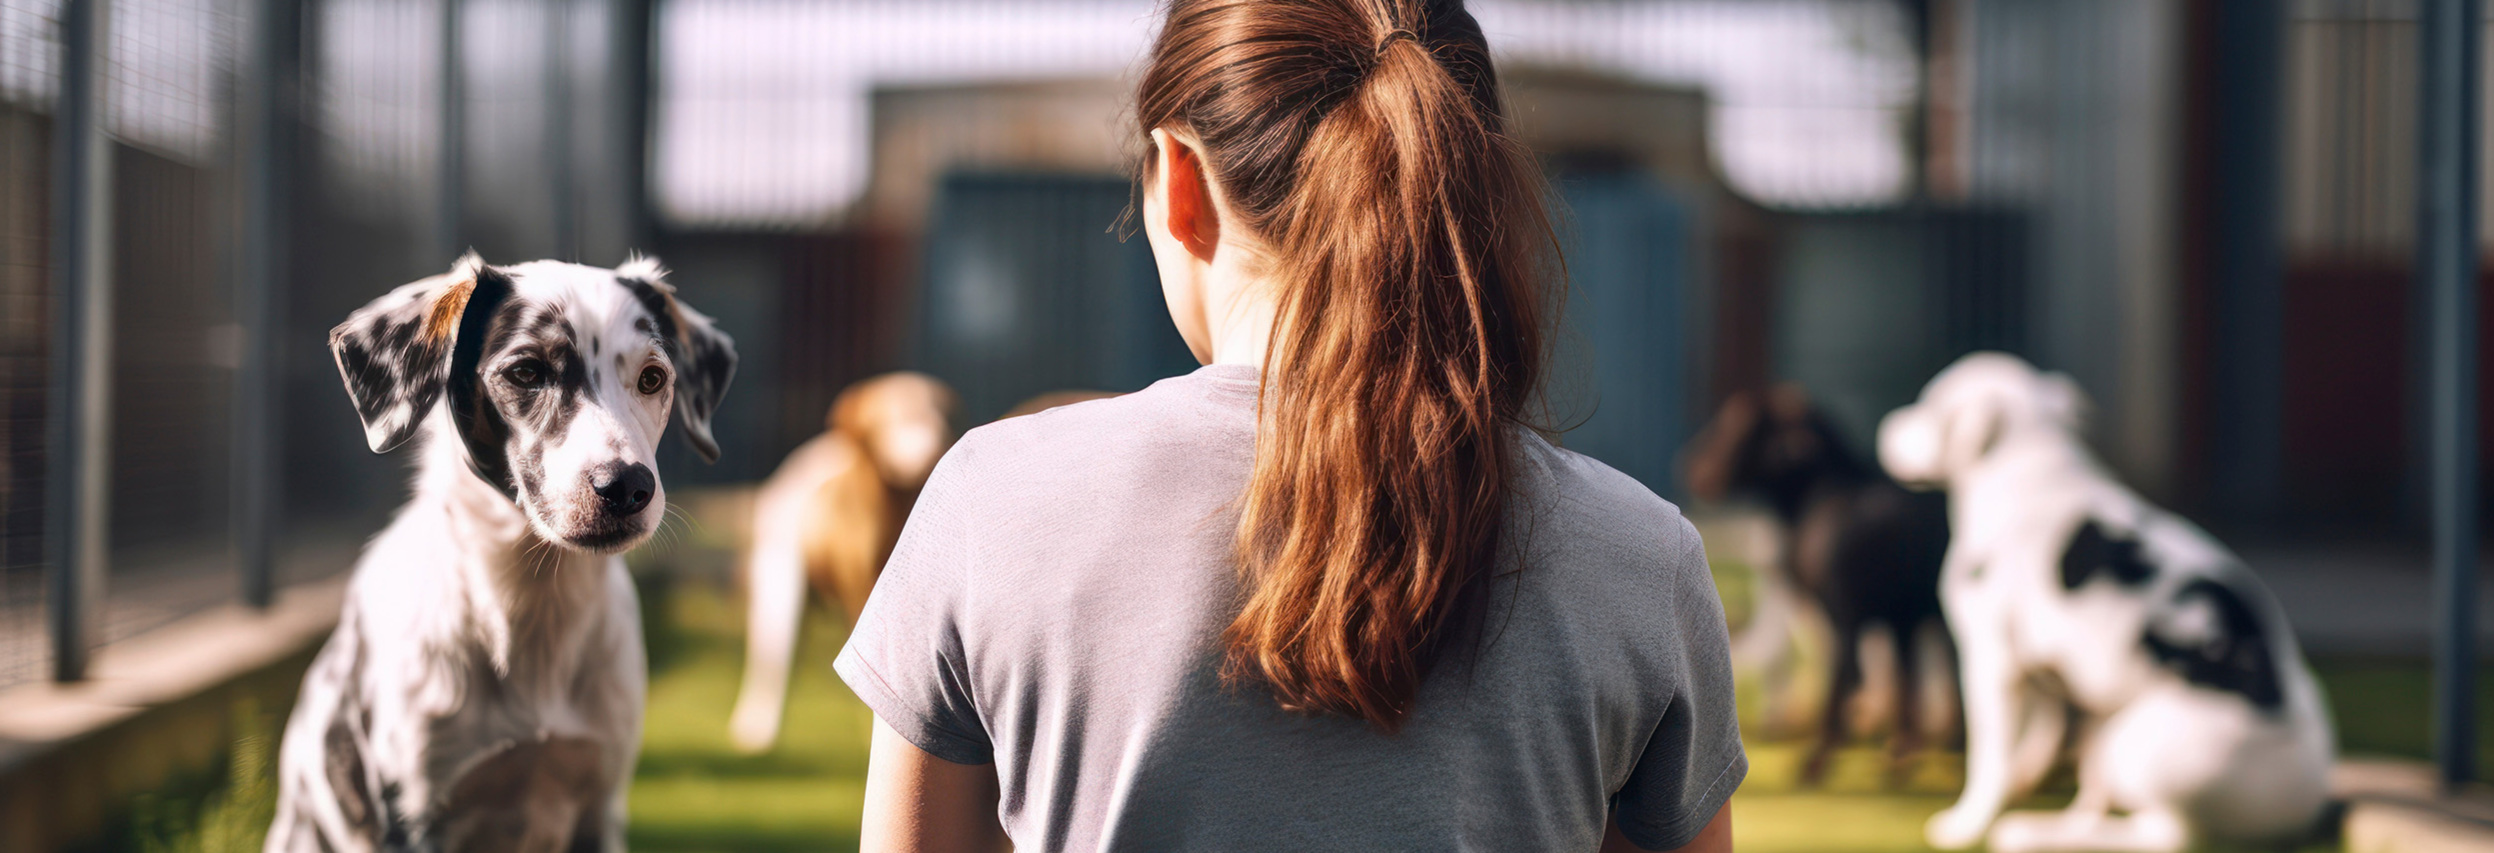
1326 592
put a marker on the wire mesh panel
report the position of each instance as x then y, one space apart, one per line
165 102
364 221
26 83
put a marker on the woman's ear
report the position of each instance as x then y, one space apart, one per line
1193 220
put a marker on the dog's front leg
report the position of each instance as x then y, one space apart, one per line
610 829
2043 724
1990 681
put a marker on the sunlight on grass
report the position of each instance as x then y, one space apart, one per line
694 791
1852 813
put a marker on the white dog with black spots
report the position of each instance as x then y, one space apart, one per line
2066 590
484 687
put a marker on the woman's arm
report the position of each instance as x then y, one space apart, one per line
918 802
1715 838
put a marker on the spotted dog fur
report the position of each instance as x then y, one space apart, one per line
2064 588
483 689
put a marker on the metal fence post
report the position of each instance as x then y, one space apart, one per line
631 71
450 203
263 119
78 508
2447 258
560 156
2246 42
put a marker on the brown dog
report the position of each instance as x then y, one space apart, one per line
829 516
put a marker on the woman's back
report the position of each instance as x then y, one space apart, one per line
1057 606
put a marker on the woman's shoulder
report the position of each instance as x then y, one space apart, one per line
1093 423
1589 481
1597 509
1103 443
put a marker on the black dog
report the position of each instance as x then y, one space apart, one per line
1865 549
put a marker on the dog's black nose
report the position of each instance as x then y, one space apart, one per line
623 489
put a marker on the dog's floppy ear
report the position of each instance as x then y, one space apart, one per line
2059 400
394 354
1967 433
1710 461
709 361
1928 443
705 358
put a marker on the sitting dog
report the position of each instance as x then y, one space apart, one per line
483 689
2063 586
831 514
1864 549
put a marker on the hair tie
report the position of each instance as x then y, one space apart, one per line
1398 34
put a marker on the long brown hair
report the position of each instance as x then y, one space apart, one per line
1363 143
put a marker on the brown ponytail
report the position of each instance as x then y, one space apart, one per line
1363 143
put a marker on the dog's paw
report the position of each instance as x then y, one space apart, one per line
753 730
1956 828
2019 833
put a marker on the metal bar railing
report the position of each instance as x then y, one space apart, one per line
560 158
76 539
2246 44
2450 31
451 183
264 114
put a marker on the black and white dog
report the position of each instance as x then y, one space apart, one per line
2062 585
483 690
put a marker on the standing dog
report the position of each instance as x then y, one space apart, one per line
1866 550
831 513
2063 585
483 689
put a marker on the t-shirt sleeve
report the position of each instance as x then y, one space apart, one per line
1693 761
905 658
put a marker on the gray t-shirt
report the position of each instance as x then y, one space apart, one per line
1056 606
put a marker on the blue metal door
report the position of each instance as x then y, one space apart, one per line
1621 376
1028 291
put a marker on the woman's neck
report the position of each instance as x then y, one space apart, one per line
1239 308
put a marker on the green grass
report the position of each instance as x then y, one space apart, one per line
2384 706
1851 813
213 812
695 793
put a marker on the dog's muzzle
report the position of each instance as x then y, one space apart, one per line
623 490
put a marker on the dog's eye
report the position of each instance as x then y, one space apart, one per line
526 374
652 379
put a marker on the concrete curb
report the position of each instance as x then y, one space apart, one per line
158 706
2394 806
